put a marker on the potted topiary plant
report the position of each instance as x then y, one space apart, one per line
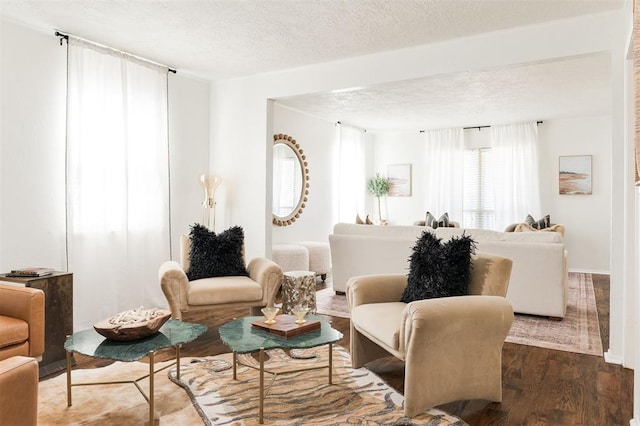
378 186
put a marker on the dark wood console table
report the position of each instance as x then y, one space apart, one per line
58 312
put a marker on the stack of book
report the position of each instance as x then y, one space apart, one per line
30 272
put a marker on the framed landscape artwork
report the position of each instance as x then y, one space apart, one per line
399 176
575 174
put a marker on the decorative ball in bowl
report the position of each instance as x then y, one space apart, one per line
133 324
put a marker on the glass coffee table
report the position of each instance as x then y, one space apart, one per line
242 338
173 333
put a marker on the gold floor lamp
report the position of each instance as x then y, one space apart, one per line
210 184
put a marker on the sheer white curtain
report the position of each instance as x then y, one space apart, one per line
350 181
444 172
516 182
117 181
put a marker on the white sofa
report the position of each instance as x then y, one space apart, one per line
538 283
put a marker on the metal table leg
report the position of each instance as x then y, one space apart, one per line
261 415
151 390
68 356
330 363
235 366
178 361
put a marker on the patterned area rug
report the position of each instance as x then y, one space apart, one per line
113 405
297 398
330 303
578 332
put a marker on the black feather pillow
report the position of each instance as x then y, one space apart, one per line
437 269
214 255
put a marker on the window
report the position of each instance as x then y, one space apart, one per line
478 200
117 180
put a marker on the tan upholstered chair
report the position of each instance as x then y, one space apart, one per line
255 291
19 391
451 346
21 322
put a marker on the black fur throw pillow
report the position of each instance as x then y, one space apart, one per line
437 269
214 255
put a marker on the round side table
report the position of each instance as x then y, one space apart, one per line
299 288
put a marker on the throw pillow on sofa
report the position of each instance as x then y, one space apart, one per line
214 255
438 269
359 220
523 227
545 222
442 221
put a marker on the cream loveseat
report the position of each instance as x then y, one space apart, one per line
538 283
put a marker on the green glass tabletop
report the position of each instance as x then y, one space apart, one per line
172 333
242 338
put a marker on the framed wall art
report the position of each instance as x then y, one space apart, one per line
399 176
575 174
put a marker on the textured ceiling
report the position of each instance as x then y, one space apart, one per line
230 38
219 39
560 89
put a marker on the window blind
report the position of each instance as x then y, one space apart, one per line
478 200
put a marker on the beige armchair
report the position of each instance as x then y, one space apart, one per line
452 346
257 290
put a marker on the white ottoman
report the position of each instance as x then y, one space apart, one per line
319 257
299 288
291 257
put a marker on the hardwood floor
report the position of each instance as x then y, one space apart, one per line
540 386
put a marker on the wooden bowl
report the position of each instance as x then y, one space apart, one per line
133 331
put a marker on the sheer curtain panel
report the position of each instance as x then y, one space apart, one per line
444 172
350 181
117 181
516 181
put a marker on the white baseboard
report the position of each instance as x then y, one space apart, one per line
634 422
613 359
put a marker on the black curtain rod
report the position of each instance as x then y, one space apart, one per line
62 37
478 127
364 130
66 37
484 127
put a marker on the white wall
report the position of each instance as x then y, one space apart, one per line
33 92
32 148
189 114
400 148
586 217
316 138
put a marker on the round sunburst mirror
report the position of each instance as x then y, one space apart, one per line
290 180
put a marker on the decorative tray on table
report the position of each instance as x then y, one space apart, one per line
285 326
